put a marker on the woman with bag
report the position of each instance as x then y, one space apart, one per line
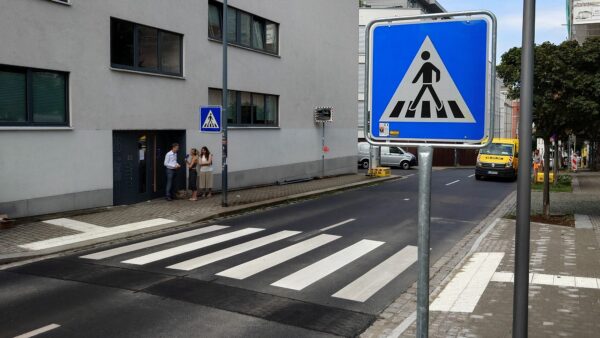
193 174
206 178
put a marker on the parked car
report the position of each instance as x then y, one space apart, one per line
390 157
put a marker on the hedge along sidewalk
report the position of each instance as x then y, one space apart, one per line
73 231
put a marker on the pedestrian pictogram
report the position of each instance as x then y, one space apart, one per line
210 119
427 92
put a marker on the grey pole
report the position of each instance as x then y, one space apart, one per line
425 162
521 287
224 110
323 151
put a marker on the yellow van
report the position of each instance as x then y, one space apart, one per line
499 159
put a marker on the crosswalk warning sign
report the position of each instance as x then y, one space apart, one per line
427 92
210 121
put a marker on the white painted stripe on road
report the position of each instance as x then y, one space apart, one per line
552 280
178 250
375 279
312 273
451 183
38 331
464 290
65 240
471 175
153 242
268 261
338 224
197 262
74 225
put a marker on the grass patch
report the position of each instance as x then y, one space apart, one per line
562 185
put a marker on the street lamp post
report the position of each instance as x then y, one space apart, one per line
522 233
224 93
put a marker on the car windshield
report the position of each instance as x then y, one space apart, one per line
498 149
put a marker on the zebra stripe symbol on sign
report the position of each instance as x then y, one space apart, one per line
210 121
427 92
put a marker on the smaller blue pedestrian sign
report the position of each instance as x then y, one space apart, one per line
210 119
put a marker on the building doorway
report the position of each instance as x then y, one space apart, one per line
138 169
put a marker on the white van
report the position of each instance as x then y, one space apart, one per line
390 157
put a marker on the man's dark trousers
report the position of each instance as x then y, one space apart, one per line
171 175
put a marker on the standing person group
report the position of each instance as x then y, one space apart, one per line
193 161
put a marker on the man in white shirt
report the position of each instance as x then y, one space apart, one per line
171 165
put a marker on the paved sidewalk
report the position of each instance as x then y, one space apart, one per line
585 198
68 232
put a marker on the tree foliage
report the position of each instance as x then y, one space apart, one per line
566 87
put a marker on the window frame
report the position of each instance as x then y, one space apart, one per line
238 109
136 50
29 122
238 21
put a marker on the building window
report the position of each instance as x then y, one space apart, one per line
248 109
33 97
147 49
243 29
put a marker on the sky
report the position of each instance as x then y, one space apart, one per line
550 19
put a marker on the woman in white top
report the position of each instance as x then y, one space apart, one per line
206 177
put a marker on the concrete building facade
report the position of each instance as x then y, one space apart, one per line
92 94
583 19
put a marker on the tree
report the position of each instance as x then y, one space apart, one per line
566 92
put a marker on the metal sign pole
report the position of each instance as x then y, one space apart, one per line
425 163
224 93
521 287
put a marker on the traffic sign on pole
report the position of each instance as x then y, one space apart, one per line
430 83
430 79
210 119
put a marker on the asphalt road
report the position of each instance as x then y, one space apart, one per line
325 266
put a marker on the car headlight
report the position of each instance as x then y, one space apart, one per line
509 164
479 163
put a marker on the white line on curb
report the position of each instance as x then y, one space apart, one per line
38 331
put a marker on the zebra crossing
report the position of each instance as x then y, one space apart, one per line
179 251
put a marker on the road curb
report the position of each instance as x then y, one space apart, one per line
235 210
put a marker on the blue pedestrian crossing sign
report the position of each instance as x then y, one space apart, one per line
430 80
210 119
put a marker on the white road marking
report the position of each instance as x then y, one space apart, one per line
375 279
153 242
471 175
197 262
260 264
74 225
38 331
338 224
64 240
178 250
467 286
312 273
552 280
451 183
